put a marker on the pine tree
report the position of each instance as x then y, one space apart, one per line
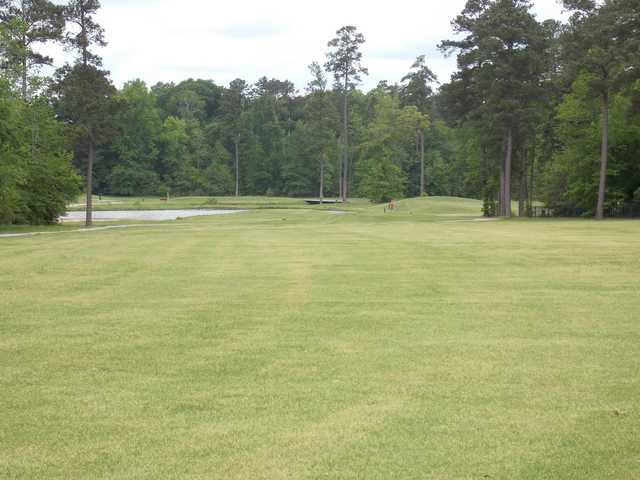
27 23
344 60
500 62
602 40
87 32
84 90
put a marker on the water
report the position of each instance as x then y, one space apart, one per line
153 215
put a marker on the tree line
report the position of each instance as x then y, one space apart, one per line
536 111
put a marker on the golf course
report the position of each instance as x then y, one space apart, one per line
334 342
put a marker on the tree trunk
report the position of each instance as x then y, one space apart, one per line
501 195
422 177
532 172
35 133
345 178
322 179
507 173
24 79
24 46
83 32
89 185
237 145
345 139
522 200
339 177
604 157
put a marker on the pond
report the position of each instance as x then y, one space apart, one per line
152 215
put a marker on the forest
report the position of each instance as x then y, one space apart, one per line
539 112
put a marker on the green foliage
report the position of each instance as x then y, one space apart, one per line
390 136
489 204
570 180
318 83
417 86
139 126
10 155
130 181
87 32
344 59
85 99
36 177
520 79
219 180
502 53
382 180
25 25
173 145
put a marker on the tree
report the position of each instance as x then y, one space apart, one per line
28 23
174 148
500 63
318 81
416 88
135 146
85 91
196 99
270 120
344 60
219 178
602 40
36 177
139 125
233 104
382 180
320 127
85 101
570 181
416 91
87 32
388 138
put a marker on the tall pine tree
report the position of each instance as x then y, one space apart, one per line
344 60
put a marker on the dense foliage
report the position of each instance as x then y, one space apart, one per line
36 177
537 111
532 102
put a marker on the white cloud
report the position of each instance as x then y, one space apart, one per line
163 40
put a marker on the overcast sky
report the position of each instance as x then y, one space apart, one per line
169 40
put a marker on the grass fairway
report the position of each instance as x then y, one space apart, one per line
103 203
299 344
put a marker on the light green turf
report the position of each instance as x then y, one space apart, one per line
176 203
297 344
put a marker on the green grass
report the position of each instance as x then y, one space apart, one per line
176 203
297 344
20 229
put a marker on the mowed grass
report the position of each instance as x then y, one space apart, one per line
177 203
298 344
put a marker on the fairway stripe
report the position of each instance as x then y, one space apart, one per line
92 229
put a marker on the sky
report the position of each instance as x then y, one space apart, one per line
169 41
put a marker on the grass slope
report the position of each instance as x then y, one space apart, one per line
297 344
